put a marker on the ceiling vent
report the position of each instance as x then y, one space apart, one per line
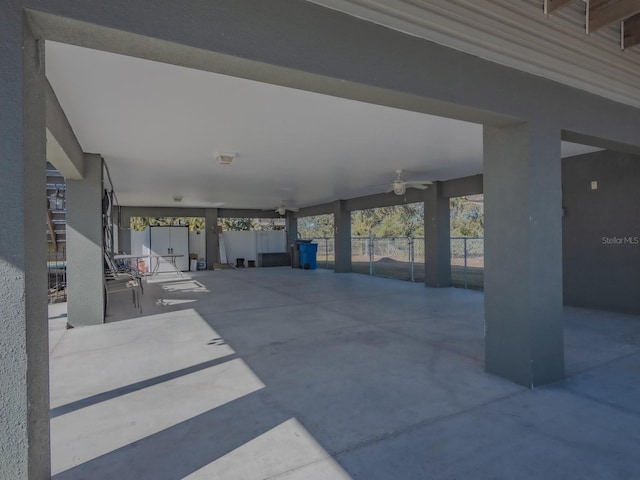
225 158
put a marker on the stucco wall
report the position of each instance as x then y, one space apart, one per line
601 231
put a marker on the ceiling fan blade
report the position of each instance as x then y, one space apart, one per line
418 182
477 199
419 186
292 209
389 190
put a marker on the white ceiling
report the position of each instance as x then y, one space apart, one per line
159 126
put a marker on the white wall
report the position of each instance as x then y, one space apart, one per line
271 241
197 244
248 244
140 242
240 245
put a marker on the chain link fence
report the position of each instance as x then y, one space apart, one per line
326 252
384 256
467 262
403 258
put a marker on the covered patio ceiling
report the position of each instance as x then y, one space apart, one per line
160 126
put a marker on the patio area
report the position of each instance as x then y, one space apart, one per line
294 374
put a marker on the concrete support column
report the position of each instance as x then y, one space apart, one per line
523 253
437 238
292 229
211 237
124 230
85 258
342 237
24 352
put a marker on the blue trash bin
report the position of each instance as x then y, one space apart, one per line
308 253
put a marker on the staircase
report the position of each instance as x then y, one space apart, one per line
56 212
56 235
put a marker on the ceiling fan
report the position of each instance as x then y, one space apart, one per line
477 199
282 209
399 185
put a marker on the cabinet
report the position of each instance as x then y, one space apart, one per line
169 241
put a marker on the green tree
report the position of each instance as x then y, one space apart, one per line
316 226
467 216
235 224
394 221
195 224
138 224
268 224
363 222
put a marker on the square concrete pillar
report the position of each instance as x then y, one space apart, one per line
292 228
24 351
211 237
124 230
437 238
523 253
342 237
85 251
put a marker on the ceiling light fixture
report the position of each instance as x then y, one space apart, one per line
399 187
225 158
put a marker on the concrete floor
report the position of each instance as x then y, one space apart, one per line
290 374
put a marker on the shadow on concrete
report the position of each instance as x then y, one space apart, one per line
118 392
184 448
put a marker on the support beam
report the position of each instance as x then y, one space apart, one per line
24 335
459 187
246 213
630 32
523 253
292 228
323 209
342 237
63 149
412 195
437 237
162 212
211 237
85 254
551 6
601 13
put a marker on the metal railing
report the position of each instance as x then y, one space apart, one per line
403 258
